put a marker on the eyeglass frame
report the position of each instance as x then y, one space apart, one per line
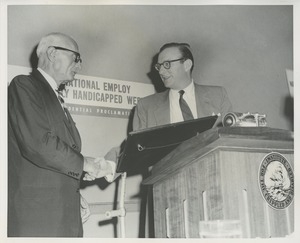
157 66
77 54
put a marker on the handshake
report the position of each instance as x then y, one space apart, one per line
97 168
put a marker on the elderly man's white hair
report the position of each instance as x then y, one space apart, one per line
52 39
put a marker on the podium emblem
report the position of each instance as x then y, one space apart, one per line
276 181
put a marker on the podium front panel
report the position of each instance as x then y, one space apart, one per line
223 184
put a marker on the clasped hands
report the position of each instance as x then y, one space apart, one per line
96 168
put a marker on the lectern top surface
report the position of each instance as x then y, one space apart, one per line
145 147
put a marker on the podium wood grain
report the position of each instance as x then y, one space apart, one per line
215 176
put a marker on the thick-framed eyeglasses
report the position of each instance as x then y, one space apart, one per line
166 64
77 55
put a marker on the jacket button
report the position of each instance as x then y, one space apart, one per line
74 146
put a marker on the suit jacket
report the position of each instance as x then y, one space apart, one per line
154 110
44 162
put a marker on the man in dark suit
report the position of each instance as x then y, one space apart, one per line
175 65
44 160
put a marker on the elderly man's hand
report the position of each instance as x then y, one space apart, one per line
96 168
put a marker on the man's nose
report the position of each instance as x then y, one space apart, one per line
78 65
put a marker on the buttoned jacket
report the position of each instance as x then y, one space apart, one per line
44 162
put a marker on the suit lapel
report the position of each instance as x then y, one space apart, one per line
51 101
202 102
162 111
55 111
70 124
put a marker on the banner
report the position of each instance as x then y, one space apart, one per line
104 97
95 96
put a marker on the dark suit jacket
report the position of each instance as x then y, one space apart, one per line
154 110
44 162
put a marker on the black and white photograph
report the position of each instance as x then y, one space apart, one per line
149 120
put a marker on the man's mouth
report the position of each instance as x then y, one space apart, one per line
164 77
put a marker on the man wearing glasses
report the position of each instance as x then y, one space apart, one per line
44 159
184 99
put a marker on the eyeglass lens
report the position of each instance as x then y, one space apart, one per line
166 64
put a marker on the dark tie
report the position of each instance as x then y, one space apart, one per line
185 109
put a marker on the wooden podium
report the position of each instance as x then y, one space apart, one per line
219 175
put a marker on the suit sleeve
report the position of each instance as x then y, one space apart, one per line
35 136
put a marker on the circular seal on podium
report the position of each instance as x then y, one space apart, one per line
276 181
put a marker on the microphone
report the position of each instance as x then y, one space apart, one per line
239 119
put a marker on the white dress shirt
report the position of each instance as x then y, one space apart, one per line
188 96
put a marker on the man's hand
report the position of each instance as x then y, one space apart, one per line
96 168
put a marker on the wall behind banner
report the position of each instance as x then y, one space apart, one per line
246 49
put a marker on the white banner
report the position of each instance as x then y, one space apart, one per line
95 96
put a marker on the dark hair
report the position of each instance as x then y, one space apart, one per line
184 49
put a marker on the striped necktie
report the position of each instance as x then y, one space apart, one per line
60 97
62 102
185 109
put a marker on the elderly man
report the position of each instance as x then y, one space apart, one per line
44 160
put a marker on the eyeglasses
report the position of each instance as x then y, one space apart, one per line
77 55
166 64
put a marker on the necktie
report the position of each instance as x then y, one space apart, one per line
60 97
61 100
185 109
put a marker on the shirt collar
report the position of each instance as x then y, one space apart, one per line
49 79
190 89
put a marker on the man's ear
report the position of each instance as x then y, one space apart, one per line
51 53
188 64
